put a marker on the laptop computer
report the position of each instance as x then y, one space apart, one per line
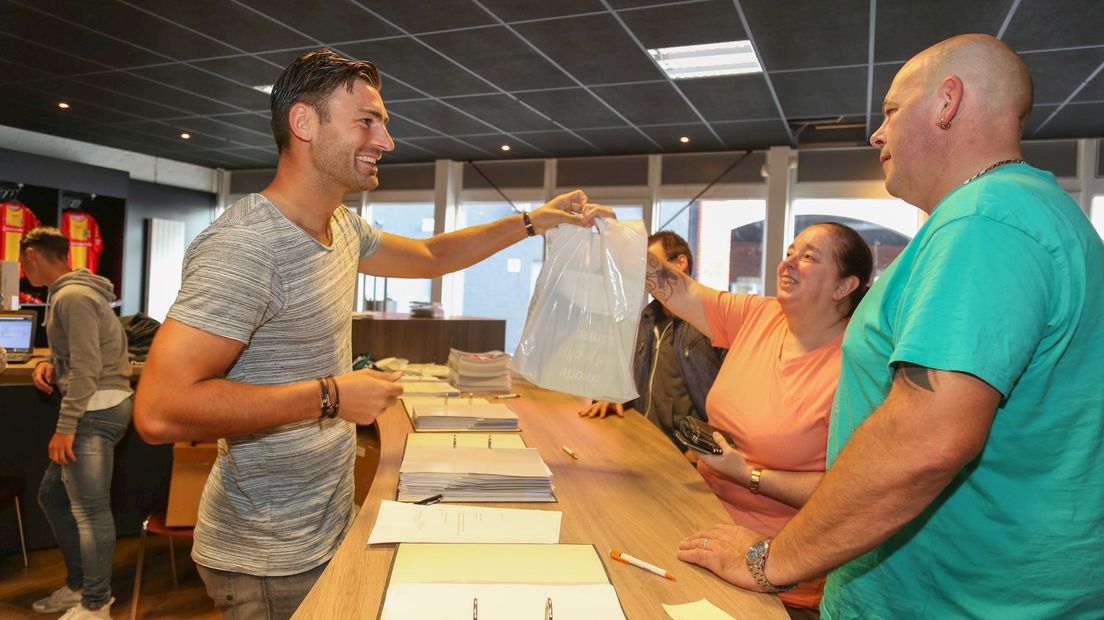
17 334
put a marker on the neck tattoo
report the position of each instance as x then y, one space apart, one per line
992 168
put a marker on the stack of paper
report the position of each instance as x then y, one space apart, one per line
479 372
415 386
439 523
474 474
460 415
499 582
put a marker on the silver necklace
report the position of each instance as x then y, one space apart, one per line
992 168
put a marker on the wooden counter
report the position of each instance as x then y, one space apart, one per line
631 489
20 374
394 334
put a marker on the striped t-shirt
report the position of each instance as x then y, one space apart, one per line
277 502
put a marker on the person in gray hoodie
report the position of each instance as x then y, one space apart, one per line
88 366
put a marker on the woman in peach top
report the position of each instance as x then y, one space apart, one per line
774 391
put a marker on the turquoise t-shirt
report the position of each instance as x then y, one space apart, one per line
1003 282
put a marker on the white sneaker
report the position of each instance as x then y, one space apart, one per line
80 612
63 598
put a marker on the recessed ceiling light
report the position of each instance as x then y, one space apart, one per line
186 135
63 105
684 139
264 88
505 147
708 60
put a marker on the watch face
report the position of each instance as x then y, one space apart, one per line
757 552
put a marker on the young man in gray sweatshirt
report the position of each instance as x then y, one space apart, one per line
88 365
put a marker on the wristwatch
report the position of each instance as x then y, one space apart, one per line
757 566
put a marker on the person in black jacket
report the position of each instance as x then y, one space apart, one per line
674 365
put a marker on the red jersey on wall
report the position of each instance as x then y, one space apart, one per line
15 220
85 242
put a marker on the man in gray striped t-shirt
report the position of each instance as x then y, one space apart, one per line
257 347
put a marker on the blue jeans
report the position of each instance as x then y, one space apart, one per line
77 501
245 597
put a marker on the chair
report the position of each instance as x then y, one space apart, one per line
155 524
12 488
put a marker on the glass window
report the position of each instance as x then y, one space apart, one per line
726 237
501 285
412 219
887 225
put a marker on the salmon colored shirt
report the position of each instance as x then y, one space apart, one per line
777 412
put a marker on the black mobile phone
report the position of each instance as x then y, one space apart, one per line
698 436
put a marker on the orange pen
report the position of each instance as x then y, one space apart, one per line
628 559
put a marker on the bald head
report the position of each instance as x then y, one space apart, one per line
998 83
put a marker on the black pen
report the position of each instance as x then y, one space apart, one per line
429 501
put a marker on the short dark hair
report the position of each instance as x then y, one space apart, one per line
47 240
853 258
310 79
674 245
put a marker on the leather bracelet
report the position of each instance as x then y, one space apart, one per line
529 230
337 396
326 407
753 486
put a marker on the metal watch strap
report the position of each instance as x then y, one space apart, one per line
757 566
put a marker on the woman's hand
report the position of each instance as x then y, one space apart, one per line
602 408
730 463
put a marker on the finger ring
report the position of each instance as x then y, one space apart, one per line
704 544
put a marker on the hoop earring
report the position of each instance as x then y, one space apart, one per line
943 124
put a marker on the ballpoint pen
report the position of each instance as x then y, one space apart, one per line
628 559
506 396
570 452
429 501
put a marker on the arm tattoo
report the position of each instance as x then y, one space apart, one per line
662 281
916 376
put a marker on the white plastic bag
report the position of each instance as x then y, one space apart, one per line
581 326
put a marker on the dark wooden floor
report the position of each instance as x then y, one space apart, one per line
19 587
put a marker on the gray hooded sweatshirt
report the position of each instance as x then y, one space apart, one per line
87 343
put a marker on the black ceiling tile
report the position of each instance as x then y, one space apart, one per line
244 69
904 28
801 34
633 4
43 97
1038 114
827 92
258 122
730 97
512 10
110 98
339 20
1076 120
619 140
686 24
140 88
752 134
560 142
412 63
10 73
203 84
1057 74
21 22
138 27
670 137
500 57
444 148
656 102
232 24
504 112
401 128
1048 25
223 128
440 117
25 53
595 50
850 131
883 79
416 17
573 108
167 133
1093 91
518 150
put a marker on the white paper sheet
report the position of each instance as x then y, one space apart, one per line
399 522
698 610
454 601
